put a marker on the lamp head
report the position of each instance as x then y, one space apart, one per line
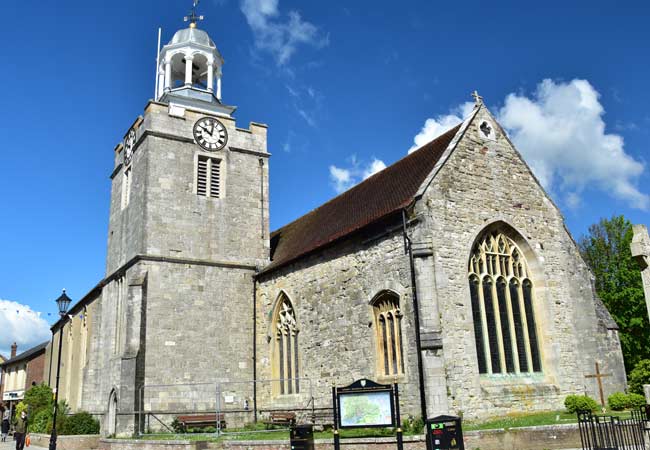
63 302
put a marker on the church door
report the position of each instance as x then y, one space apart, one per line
111 419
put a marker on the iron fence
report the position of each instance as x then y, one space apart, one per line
227 407
600 432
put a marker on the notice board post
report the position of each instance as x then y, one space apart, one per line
366 404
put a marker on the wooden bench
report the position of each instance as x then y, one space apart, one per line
201 420
281 418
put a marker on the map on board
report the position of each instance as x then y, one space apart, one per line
366 409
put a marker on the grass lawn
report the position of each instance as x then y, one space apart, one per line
506 422
531 420
245 435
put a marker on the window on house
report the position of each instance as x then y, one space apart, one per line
388 319
126 187
285 352
502 297
208 177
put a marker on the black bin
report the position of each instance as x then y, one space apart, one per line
302 437
445 433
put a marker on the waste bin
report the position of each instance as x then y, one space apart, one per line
444 433
302 437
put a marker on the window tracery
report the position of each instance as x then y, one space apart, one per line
502 297
286 361
388 319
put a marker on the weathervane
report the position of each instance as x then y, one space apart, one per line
478 100
193 18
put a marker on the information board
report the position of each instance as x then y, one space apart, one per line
366 409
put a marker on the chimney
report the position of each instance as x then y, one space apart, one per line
14 347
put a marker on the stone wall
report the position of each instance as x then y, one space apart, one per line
528 438
176 306
331 293
165 217
485 183
81 442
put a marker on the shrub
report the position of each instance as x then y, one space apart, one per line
80 423
635 400
40 421
38 398
575 403
639 376
618 401
177 426
412 425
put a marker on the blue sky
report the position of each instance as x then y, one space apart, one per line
345 88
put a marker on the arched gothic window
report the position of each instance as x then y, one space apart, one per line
502 296
285 361
388 323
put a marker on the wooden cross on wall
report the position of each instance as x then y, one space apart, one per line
599 377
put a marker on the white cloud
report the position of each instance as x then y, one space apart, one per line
343 178
278 36
375 166
20 324
435 127
561 133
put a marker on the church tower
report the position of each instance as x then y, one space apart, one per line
188 229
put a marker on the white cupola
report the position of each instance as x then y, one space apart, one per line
189 70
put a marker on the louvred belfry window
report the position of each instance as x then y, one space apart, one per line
502 297
208 177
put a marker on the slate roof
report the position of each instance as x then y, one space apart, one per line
27 354
377 197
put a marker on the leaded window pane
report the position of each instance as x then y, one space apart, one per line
390 357
532 329
505 325
493 338
519 326
503 314
384 342
286 359
478 328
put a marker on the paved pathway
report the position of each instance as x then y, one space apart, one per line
11 445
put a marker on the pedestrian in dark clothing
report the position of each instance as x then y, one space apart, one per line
20 430
5 425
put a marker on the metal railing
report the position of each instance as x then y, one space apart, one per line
600 432
228 407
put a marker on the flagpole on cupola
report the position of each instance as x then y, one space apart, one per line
155 94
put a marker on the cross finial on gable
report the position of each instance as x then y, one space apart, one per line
193 18
478 100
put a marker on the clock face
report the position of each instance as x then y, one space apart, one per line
210 134
129 144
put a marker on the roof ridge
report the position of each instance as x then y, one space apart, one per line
357 186
371 200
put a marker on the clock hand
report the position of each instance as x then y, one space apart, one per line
206 130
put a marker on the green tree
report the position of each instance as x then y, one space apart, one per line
39 397
606 249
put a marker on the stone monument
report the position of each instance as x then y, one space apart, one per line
640 247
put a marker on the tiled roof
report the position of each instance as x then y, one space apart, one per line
27 354
384 193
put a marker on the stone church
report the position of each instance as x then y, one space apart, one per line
450 272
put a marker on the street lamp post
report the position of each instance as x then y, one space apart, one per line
62 302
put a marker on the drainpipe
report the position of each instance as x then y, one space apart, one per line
255 348
416 316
